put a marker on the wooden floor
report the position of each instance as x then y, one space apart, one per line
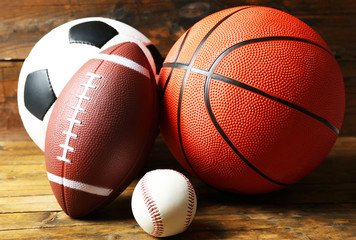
321 206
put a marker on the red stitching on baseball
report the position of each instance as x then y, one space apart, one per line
152 208
191 201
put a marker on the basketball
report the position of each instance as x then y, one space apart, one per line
252 100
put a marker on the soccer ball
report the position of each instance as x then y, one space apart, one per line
58 55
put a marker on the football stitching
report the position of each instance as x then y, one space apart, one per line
73 121
152 208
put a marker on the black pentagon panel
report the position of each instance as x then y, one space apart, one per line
94 33
156 57
38 94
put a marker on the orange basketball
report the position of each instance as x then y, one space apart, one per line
252 99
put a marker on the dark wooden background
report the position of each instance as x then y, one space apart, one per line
321 206
23 23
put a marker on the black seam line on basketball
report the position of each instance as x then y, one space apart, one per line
259 92
226 138
185 79
267 39
279 38
216 124
279 100
175 60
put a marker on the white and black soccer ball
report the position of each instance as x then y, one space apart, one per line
58 55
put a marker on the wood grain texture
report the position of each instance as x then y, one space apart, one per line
23 23
322 206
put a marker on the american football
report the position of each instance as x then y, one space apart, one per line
101 129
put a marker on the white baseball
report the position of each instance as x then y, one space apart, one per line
164 202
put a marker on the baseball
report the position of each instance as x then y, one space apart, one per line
164 202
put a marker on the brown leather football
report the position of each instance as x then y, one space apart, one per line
101 129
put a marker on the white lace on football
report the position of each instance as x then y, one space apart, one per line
73 120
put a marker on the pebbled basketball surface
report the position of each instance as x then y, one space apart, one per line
252 99
102 128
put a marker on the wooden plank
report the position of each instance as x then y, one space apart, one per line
22 24
23 172
28 204
26 187
243 222
9 117
221 214
18 148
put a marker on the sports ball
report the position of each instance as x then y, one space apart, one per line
101 129
252 100
58 55
164 202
